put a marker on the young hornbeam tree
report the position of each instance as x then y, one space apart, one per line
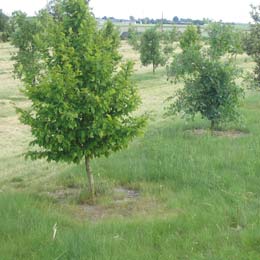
210 86
83 101
150 49
253 43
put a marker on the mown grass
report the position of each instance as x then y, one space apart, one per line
198 196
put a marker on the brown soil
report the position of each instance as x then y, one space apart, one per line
124 203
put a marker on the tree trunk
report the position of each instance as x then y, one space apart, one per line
90 178
153 68
212 126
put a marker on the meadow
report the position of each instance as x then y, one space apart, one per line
175 193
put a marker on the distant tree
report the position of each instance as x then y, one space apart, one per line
131 18
199 30
146 20
170 36
175 19
133 37
3 21
190 38
210 86
150 49
206 21
253 43
27 66
224 39
197 22
83 101
4 27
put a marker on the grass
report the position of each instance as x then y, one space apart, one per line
197 196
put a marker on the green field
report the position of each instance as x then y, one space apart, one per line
177 192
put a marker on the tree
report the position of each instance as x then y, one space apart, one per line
83 100
27 66
190 38
131 18
253 43
150 49
4 27
224 39
3 21
175 19
170 36
133 37
210 86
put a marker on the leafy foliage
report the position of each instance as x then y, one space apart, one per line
190 38
4 26
133 38
209 83
150 49
27 66
83 100
253 43
224 39
168 37
3 20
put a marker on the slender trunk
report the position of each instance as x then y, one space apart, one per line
90 178
153 68
212 126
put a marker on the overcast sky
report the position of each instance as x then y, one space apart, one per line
226 10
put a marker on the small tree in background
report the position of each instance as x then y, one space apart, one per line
209 82
3 20
190 38
253 43
83 100
27 66
150 49
224 39
133 37
4 26
168 37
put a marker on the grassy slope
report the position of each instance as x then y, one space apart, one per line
199 195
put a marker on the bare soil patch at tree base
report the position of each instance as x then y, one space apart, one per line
220 133
123 203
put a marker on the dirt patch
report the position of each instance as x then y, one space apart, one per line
122 194
123 203
121 209
63 195
221 133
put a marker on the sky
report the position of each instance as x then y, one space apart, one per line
225 10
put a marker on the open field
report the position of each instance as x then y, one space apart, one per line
175 193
